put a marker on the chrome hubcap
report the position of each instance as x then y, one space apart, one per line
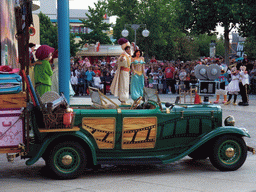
230 152
66 160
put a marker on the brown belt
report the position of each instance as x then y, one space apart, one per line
125 69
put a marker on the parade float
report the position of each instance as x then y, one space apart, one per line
73 138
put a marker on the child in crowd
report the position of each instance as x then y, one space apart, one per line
74 82
89 77
160 82
81 82
150 81
176 78
97 82
155 80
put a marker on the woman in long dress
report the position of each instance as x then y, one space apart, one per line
138 75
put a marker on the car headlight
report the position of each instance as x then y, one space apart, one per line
229 121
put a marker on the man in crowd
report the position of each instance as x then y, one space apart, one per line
169 75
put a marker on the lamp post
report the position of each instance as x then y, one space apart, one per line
125 32
212 48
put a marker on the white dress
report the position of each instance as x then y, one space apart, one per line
233 86
120 84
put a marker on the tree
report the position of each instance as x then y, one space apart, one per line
247 23
73 45
127 12
48 31
96 24
250 47
202 16
220 48
158 15
49 34
202 41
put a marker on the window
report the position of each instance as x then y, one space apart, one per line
78 29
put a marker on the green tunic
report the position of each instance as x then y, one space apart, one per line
43 73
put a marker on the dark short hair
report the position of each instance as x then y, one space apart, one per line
31 45
134 54
127 47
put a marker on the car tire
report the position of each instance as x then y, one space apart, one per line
229 153
67 160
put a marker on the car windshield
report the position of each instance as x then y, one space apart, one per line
150 94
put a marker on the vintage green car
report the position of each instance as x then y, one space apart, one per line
150 132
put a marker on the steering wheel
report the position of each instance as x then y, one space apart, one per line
136 103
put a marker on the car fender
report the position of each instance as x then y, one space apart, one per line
214 133
217 132
51 139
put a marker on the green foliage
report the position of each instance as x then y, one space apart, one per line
220 49
127 12
201 16
48 32
168 22
73 46
186 48
247 23
250 47
203 43
158 17
96 24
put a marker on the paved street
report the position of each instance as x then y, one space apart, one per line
185 175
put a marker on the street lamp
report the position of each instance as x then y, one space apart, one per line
125 32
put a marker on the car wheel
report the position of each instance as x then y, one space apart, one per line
67 160
229 153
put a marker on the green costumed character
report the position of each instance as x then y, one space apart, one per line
43 72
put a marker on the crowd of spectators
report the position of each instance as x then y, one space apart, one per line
165 76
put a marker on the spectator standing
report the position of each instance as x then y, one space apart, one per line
83 71
74 82
103 62
31 62
81 84
193 77
97 81
113 71
87 62
169 75
150 81
153 60
81 61
155 80
89 77
182 75
96 70
107 80
160 82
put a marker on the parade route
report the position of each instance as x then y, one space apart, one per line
185 175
